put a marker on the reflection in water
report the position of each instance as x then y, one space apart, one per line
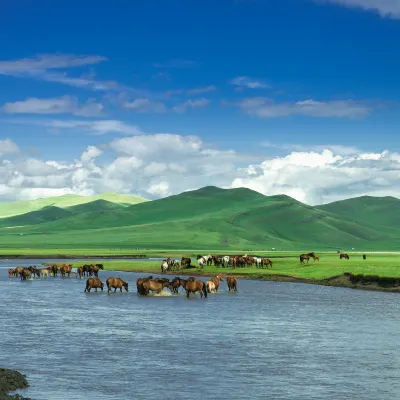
268 340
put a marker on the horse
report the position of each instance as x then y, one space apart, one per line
306 257
186 262
213 283
164 266
153 286
18 270
94 283
66 270
11 272
345 256
176 283
193 285
203 260
54 270
364 257
44 272
25 273
225 261
266 262
258 261
232 283
79 271
139 284
316 258
116 283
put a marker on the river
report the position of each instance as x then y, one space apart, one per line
269 340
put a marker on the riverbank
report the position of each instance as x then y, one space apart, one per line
378 272
9 382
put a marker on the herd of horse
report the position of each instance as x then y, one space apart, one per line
156 285
65 270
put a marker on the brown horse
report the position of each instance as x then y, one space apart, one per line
213 284
186 262
79 272
266 262
44 272
345 256
11 272
139 284
232 283
18 271
153 286
25 273
96 268
66 270
54 270
94 283
193 285
116 283
176 284
306 257
316 258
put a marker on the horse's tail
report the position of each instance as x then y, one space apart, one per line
204 290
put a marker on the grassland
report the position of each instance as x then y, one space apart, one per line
235 220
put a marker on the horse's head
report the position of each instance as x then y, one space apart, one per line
126 286
198 256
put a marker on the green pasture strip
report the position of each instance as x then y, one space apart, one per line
383 265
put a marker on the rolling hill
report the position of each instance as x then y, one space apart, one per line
209 218
68 200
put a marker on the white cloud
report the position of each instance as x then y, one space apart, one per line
266 108
249 83
49 67
145 106
165 164
386 8
99 127
201 90
59 105
8 147
181 108
176 64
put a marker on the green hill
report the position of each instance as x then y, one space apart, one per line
68 200
210 218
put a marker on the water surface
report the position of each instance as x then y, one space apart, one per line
269 340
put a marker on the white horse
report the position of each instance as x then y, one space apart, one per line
164 266
210 285
203 260
258 261
225 261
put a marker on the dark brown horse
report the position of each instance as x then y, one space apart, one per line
186 262
176 284
79 272
193 285
306 257
266 262
139 284
11 272
364 257
94 283
54 270
116 283
345 256
232 283
96 268
25 274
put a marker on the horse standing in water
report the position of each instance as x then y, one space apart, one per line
232 283
11 272
116 283
94 283
213 284
193 286
306 257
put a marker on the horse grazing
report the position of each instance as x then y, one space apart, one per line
345 256
266 262
94 283
186 262
232 283
116 283
213 284
306 257
193 285
11 272
164 266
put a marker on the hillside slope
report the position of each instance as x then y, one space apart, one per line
208 218
68 200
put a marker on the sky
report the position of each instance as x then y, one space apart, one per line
155 97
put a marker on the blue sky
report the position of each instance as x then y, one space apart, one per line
254 80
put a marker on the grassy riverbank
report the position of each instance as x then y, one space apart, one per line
329 270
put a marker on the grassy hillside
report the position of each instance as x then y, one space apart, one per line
208 218
381 212
68 200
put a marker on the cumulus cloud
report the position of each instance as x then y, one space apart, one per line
386 8
145 106
181 108
249 83
266 108
59 105
164 164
